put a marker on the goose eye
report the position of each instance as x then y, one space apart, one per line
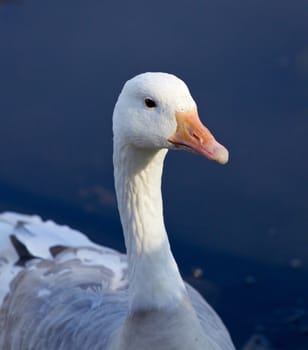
150 103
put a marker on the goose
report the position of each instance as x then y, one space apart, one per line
61 291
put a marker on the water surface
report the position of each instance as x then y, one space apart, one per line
62 65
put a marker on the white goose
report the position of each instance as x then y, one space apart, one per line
59 291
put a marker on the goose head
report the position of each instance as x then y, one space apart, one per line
156 111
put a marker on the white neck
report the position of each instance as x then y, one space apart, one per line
154 279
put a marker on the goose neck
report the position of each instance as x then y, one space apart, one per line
154 279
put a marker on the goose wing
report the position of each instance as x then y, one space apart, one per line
210 321
55 286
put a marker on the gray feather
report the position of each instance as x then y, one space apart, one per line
77 299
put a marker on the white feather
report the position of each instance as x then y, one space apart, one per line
84 296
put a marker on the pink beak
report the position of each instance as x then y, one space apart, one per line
193 136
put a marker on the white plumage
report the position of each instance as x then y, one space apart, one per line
59 290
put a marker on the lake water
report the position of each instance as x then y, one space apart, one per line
243 225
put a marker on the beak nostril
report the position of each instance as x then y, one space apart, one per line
197 137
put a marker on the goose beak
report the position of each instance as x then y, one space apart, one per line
193 136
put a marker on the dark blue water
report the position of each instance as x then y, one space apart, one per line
62 65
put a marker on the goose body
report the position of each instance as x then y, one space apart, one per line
59 290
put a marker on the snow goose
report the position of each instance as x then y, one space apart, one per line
60 291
